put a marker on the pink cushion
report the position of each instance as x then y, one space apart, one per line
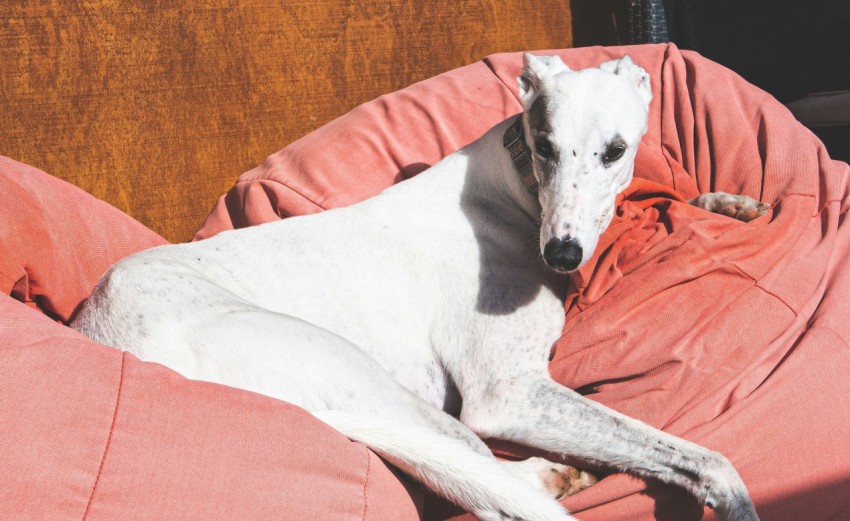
89 432
732 335
58 240
370 148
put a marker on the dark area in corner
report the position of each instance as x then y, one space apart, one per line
789 48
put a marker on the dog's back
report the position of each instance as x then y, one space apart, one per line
407 276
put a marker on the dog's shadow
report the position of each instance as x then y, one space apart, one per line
511 270
411 170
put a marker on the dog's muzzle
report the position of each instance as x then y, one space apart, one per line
562 255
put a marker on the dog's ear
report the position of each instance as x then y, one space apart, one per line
633 72
534 70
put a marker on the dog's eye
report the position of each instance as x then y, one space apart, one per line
543 148
614 152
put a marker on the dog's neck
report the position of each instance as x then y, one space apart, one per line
492 179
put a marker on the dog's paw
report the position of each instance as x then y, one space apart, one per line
556 480
740 207
564 480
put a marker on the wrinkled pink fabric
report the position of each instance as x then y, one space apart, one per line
732 335
57 240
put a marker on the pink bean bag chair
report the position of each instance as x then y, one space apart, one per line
89 432
732 335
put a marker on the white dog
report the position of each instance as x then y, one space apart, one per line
389 318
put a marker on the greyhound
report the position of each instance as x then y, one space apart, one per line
421 320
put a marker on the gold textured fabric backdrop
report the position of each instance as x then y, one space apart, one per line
157 106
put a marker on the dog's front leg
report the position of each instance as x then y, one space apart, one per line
536 411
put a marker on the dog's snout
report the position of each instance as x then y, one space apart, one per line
562 255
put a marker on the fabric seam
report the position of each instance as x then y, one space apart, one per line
109 437
366 483
777 297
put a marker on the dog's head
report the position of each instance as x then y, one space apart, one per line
583 128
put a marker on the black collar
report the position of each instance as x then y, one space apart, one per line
514 142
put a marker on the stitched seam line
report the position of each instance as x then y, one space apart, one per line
777 297
109 437
366 483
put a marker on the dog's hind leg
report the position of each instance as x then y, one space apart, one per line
243 346
446 456
448 467
741 207
553 479
232 342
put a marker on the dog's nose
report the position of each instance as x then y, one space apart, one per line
562 255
